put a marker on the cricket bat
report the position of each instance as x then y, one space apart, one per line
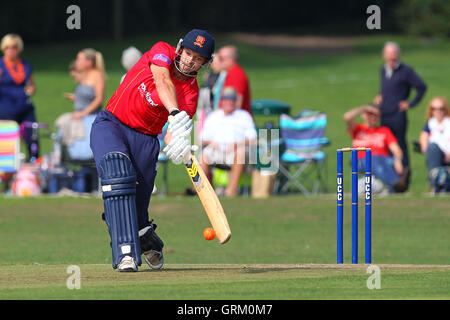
208 198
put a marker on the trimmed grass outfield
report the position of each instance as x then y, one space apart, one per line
227 282
281 248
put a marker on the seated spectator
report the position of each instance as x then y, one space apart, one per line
130 56
370 134
435 138
89 74
90 92
226 136
235 76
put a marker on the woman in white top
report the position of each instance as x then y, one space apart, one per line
435 136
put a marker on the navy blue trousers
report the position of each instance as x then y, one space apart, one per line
383 169
108 134
398 123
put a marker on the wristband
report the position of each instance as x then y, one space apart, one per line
174 112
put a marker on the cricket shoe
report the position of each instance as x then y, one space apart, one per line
151 246
127 265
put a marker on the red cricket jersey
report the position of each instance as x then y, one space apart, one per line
136 102
237 78
378 139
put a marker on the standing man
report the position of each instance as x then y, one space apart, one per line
235 76
397 80
125 144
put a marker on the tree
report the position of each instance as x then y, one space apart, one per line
430 18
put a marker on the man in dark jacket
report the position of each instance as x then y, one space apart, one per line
397 79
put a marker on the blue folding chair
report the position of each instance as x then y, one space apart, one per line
303 162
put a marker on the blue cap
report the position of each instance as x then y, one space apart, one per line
199 41
229 93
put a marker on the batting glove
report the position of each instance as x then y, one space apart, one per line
179 148
180 124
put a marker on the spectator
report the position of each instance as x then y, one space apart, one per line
16 88
88 72
226 135
90 92
76 76
380 139
397 80
74 73
130 56
216 89
435 138
206 95
236 76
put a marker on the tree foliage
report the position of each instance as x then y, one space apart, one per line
45 20
429 18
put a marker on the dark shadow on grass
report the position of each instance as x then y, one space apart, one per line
244 270
253 269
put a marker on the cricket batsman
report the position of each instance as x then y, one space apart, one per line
125 144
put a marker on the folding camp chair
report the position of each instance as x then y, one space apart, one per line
303 162
75 168
9 148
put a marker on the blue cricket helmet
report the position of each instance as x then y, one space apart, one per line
199 41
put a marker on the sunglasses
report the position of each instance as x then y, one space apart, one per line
13 47
441 108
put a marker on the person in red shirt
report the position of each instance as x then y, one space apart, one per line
386 152
236 76
125 144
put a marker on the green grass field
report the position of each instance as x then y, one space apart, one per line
282 247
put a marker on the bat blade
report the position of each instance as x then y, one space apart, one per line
209 199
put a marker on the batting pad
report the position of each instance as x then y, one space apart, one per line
118 180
